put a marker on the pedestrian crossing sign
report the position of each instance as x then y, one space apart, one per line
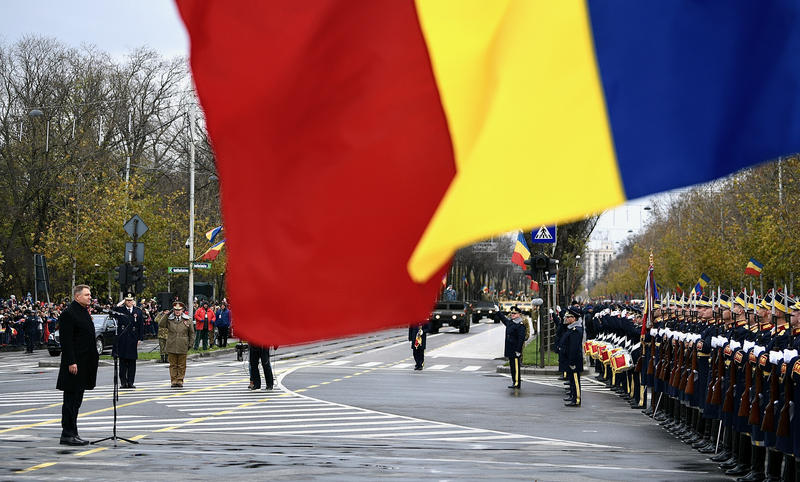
544 235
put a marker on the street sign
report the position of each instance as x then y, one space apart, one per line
139 252
552 279
174 270
544 235
201 265
135 227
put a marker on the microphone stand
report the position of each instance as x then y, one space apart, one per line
115 397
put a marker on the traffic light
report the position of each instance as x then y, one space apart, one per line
122 276
136 277
139 284
539 263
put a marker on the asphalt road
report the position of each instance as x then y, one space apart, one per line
341 410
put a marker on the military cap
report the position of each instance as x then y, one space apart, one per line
574 312
704 301
780 302
178 306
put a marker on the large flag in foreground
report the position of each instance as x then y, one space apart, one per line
521 251
394 121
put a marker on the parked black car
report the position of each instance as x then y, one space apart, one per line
104 328
452 313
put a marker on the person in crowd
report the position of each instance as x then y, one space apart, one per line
204 319
180 337
515 340
260 354
417 335
223 324
79 359
130 333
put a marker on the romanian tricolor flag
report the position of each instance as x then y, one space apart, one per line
210 235
679 287
753 267
701 283
521 251
423 109
212 252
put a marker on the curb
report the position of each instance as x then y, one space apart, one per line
108 363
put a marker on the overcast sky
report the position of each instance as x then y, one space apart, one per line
115 26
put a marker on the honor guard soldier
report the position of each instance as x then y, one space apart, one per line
574 354
515 340
130 332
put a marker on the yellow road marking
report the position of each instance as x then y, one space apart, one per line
35 467
91 451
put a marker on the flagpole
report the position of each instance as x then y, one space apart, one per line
761 281
190 300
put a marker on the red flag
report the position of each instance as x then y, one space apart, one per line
534 286
326 122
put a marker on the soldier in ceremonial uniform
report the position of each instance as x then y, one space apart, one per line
417 335
515 340
130 332
574 354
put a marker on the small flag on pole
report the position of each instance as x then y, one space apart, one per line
521 251
210 235
701 283
212 252
753 267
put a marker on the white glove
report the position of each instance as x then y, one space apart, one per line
789 354
735 345
748 345
518 353
758 349
653 332
775 357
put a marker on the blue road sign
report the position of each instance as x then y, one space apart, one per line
544 235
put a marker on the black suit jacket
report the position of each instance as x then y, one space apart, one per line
76 332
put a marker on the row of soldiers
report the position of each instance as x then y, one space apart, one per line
720 374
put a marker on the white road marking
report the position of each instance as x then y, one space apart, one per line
337 363
471 368
370 364
438 367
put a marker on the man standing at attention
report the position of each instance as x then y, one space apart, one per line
78 370
130 332
515 340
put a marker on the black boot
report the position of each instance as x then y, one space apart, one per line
744 466
756 473
788 468
774 461
705 429
730 446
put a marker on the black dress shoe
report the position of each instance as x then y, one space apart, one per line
72 441
512 386
738 470
572 404
567 399
131 386
752 477
728 464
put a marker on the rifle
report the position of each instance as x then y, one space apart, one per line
690 378
783 420
651 364
727 407
755 408
686 371
674 375
712 378
716 398
768 424
744 403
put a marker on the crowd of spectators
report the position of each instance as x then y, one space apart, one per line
15 312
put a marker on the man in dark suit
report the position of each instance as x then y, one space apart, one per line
130 329
573 343
78 370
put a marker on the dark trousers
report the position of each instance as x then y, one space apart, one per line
223 335
514 363
30 339
574 377
419 356
127 371
260 354
69 413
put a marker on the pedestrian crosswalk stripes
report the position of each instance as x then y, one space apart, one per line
215 405
437 367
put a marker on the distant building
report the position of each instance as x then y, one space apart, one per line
595 261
